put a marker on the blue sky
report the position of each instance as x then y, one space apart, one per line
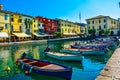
64 9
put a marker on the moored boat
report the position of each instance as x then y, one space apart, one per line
46 68
63 56
83 51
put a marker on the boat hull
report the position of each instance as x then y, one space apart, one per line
64 73
66 57
84 52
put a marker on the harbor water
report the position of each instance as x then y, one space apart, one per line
89 68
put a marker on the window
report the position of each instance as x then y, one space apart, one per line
65 29
104 26
99 27
19 20
99 21
6 26
38 24
12 19
34 25
88 22
68 30
35 31
6 17
92 22
12 27
93 27
43 25
59 24
104 20
114 22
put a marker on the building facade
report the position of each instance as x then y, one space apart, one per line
4 26
102 23
27 24
68 28
50 25
83 30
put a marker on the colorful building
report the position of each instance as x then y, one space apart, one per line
50 25
103 23
4 25
68 28
27 24
83 27
11 23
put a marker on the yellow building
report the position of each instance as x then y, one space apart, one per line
17 33
68 28
4 25
102 23
11 23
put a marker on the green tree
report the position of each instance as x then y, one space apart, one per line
58 34
106 32
92 32
101 32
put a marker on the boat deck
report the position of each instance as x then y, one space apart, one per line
49 66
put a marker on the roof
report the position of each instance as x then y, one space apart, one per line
100 16
64 20
9 12
97 17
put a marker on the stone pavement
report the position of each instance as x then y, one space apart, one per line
112 69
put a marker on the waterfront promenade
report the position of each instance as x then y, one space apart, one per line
112 69
36 41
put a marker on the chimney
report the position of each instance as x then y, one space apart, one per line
1 7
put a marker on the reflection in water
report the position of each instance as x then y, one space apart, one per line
88 68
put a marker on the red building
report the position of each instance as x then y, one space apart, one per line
50 25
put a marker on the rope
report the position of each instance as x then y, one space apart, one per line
30 69
22 65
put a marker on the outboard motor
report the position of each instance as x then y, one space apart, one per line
47 49
24 55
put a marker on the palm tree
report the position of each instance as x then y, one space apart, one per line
30 24
26 23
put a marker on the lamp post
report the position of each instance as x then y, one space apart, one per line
119 21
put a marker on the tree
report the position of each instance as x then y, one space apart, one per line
101 32
106 32
26 23
92 32
58 34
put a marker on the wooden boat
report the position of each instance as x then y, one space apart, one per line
46 68
89 46
83 51
63 56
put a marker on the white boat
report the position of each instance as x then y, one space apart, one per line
63 56
83 51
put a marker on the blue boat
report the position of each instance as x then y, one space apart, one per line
46 68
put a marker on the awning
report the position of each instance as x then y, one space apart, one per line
21 35
3 35
39 35
69 34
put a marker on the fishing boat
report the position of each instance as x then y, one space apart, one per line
83 51
46 68
63 56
